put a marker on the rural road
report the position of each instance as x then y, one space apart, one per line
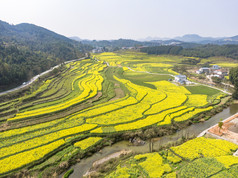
174 76
25 84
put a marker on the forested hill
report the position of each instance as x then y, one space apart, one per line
202 51
27 49
119 43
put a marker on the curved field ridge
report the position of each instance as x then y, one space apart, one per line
70 113
22 159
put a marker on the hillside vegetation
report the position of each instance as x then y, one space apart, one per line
202 51
27 49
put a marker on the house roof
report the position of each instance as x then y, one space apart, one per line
181 76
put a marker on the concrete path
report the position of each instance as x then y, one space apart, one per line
205 131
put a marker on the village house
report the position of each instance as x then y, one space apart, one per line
180 79
220 72
97 50
215 67
214 71
202 70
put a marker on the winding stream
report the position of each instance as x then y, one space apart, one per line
193 130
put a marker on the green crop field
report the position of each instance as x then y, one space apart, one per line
200 157
69 114
201 89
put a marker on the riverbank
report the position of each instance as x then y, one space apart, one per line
198 157
100 122
228 130
106 162
190 131
145 134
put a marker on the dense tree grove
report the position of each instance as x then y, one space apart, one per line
18 65
202 51
233 76
26 50
162 50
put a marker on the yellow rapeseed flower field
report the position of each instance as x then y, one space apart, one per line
153 164
204 146
88 108
88 142
27 157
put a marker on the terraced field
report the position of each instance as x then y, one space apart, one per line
87 103
200 157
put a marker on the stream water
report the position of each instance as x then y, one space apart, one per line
193 130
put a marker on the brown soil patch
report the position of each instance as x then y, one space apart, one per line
117 85
204 81
235 101
119 92
99 94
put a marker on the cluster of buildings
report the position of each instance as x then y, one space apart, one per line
128 48
214 71
98 50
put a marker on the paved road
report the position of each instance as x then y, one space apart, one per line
205 131
232 86
25 84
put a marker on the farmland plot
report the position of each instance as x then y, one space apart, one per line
70 114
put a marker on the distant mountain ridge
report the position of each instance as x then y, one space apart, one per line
75 38
186 40
115 43
194 38
120 43
30 32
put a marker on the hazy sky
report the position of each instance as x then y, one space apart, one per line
134 19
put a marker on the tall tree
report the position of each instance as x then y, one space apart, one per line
220 124
233 76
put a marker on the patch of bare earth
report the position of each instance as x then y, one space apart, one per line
119 92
